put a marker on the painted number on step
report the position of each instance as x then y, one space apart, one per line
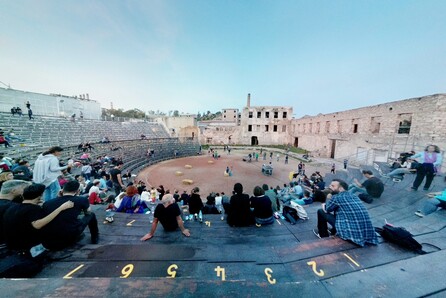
269 276
126 271
171 271
313 266
220 272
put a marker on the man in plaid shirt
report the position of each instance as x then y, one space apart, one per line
350 219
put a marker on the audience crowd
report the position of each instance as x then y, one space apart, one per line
47 207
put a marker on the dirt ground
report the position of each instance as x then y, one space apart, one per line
208 173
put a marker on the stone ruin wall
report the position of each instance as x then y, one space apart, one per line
376 129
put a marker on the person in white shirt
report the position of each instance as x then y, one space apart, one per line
47 170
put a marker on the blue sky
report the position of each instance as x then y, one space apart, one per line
199 55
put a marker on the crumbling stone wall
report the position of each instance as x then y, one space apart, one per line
392 127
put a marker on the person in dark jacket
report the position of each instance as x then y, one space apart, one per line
239 212
263 212
195 202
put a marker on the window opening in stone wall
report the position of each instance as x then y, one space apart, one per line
375 125
405 121
250 127
266 127
339 128
318 127
310 127
266 114
250 115
327 126
275 128
276 114
259 114
355 128
283 128
284 115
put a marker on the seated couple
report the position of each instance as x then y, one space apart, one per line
239 209
131 202
55 224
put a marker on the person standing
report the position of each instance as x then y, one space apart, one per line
430 161
47 171
345 164
116 178
30 114
333 168
299 168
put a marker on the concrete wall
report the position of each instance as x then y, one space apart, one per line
48 105
182 126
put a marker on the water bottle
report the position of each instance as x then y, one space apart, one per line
221 212
185 213
200 216
152 213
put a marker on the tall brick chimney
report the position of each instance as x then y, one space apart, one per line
248 104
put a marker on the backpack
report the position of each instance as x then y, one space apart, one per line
401 237
300 210
290 214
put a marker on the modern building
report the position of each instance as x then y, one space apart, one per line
57 105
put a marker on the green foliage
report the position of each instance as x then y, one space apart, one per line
134 113
208 116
